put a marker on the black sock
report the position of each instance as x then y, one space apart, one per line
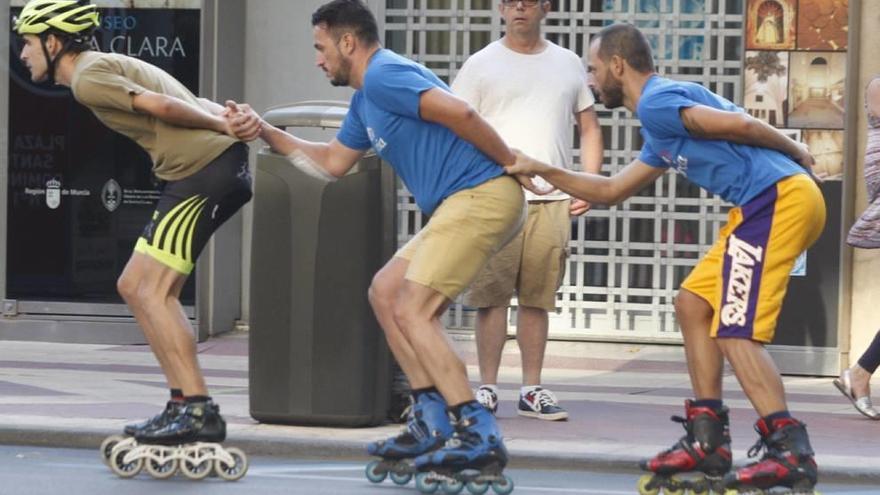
870 360
713 404
456 409
177 395
197 398
416 393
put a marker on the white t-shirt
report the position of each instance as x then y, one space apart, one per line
530 99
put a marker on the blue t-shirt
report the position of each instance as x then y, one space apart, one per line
431 160
736 172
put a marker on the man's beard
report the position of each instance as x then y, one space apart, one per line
612 95
343 75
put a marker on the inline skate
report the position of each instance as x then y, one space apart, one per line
172 409
427 428
474 457
698 462
190 443
787 466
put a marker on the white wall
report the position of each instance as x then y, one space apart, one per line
280 68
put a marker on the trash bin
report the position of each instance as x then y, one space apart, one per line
317 353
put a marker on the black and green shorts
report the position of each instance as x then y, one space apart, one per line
190 210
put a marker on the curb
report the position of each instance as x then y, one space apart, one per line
330 448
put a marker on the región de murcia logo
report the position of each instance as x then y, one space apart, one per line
743 258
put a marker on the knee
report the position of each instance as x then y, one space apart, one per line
689 305
380 294
127 286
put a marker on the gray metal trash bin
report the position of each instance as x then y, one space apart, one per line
317 354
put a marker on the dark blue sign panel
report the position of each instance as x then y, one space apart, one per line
79 194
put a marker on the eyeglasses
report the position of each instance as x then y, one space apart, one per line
526 3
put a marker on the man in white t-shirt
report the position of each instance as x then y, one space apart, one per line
532 92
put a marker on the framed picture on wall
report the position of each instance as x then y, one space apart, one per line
771 24
822 24
766 86
816 90
827 148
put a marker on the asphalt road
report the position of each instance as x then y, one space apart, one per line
39 471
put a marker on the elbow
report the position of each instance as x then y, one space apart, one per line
614 200
749 128
612 195
164 109
467 113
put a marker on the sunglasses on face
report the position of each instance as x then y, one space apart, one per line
526 3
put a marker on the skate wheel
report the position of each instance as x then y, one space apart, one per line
400 478
161 469
478 487
234 471
425 484
107 445
503 486
123 470
452 487
197 467
675 481
374 473
644 485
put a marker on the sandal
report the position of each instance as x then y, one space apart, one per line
862 404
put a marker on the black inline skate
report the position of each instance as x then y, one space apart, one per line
190 442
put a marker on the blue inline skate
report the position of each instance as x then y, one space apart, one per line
474 457
427 428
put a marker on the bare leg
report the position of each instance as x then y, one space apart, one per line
704 358
127 285
491 333
155 295
417 312
757 374
383 293
532 326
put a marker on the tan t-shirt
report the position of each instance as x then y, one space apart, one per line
106 84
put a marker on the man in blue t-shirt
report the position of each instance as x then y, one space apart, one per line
728 305
450 159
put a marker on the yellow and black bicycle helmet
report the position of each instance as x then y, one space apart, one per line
67 16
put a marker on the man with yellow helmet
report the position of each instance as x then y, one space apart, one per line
206 180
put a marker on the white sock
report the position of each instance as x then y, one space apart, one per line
492 387
527 388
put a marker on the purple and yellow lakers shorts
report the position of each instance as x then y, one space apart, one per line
745 274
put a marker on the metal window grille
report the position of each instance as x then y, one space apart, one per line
626 262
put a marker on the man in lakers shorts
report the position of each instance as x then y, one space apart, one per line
206 176
728 306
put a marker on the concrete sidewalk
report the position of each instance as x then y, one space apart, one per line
619 396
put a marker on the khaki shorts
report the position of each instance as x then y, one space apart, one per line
532 264
463 233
